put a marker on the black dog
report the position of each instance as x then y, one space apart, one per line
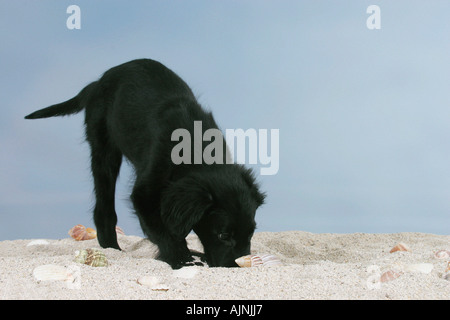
132 111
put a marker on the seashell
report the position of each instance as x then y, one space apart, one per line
249 261
419 267
119 231
253 260
270 260
389 276
148 281
91 257
400 247
442 254
90 234
52 272
80 232
153 283
37 242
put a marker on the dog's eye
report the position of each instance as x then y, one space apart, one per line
224 236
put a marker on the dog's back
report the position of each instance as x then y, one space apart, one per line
141 81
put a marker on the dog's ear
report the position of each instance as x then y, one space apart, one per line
250 180
182 207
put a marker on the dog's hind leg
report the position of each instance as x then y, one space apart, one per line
105 165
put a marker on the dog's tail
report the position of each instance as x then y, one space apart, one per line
72 106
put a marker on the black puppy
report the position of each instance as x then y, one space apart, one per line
132 111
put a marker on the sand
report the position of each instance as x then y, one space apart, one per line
316 266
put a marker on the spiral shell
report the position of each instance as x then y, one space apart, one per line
80 232
91 257
400 247
253 260
249 261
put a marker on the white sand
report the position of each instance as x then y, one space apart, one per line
317 266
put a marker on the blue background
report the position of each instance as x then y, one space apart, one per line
364 115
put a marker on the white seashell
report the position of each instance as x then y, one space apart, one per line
52 272
419 267
270 260
400 247
254 260
442 254
148 281
389 276
153 283
185 273
37 242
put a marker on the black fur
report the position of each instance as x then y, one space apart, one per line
132 111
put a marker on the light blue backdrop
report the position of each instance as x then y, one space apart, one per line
364 115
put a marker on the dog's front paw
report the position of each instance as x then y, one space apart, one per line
177 255
198 259
178 263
